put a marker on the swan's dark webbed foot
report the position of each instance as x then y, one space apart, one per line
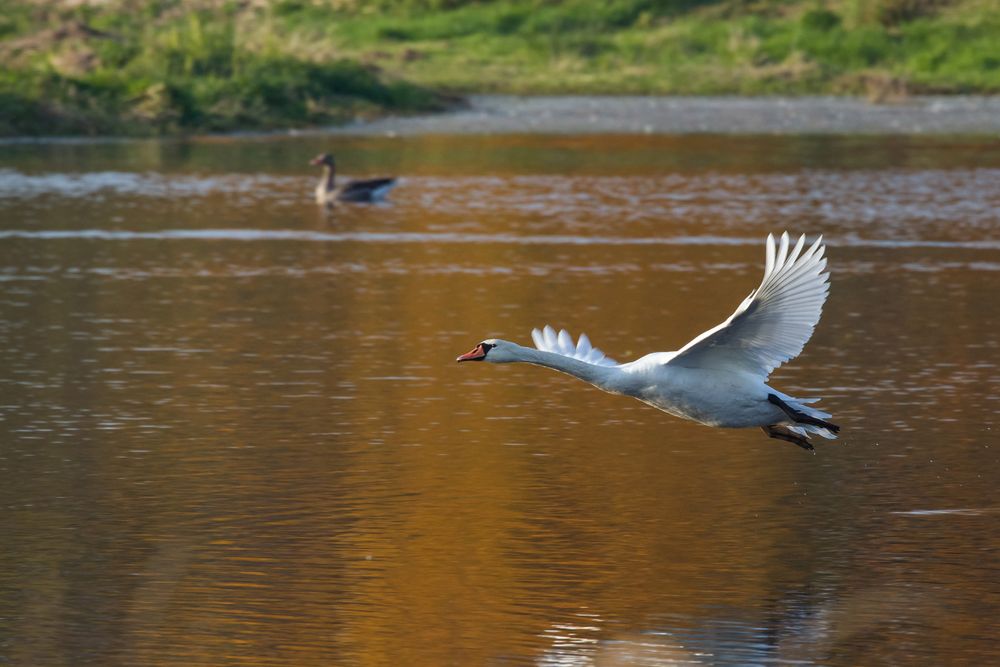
801 417
781 434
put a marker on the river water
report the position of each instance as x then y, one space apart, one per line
232 431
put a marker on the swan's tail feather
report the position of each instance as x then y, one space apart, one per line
805 429
819 420
805 419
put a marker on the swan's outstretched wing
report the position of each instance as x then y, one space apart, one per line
562 343
773 324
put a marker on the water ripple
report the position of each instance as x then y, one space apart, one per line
16 184
903 203
246 235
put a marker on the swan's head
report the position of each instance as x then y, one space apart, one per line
324 159
493 350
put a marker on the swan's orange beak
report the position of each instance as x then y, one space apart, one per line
476 354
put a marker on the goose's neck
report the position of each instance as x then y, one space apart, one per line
326 181
604 377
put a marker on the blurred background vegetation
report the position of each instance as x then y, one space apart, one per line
170 66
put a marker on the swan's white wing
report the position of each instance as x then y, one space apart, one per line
773 324
562 343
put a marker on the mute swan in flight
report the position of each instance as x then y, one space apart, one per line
720 377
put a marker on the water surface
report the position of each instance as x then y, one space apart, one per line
233 431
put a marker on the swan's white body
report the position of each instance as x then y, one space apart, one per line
720 377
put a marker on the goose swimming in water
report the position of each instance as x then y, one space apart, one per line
328 193
720 377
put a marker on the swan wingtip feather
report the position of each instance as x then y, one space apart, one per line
547 340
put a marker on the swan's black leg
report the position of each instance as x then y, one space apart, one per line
801 417
778 434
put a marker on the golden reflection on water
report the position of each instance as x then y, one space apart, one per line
256 450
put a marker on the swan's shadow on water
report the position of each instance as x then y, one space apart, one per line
864 627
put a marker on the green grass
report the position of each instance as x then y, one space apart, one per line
171 66
639 46
157 74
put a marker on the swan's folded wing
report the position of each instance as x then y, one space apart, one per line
773 324
562 343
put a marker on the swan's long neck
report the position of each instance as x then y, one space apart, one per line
604 377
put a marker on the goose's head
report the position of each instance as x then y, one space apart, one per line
493 350
323 159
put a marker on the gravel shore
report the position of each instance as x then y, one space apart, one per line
503 114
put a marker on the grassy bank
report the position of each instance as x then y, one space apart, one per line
871 47
168 67
126 66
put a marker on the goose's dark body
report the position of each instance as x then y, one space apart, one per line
365 190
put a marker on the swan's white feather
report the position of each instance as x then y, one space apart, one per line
562 343
773 324
720 377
